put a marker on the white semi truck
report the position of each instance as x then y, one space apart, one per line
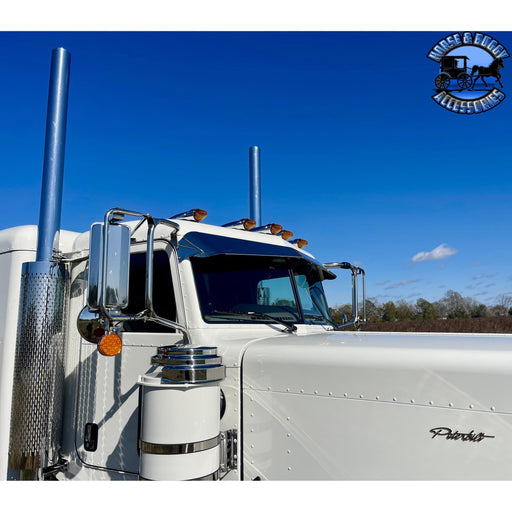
169 349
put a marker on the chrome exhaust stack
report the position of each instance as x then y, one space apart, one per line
37 396
255 184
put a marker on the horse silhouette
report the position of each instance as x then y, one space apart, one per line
492 70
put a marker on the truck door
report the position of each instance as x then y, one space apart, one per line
107 417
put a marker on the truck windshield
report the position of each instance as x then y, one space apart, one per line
259 289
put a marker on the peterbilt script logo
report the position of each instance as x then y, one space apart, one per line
449 434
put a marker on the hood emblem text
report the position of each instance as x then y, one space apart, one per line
449 434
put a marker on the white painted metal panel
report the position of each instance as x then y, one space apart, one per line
109 396
311 437
352 406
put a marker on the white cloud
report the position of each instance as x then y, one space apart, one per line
482 276
382 283
401 283
439 253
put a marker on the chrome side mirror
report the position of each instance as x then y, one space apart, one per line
357 321
109 266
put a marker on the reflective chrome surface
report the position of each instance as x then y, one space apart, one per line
54 150
194 350
270 229
246 224
185 360
37 396
189 364
255 183
88 325
228 450
357 321
192 375
176 449
109 265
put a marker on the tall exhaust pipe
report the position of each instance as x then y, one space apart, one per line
53 163
37 395
255 184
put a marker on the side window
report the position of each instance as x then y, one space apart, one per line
312 299
304 295
163 293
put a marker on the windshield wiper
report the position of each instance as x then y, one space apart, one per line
256 315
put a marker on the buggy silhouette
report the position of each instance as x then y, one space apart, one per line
454 66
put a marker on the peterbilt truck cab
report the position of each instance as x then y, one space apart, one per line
190 351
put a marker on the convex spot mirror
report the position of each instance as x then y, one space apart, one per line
112 265
89 326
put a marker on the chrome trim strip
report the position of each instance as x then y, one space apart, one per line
180 350
177 449
211 476
191 375
186 360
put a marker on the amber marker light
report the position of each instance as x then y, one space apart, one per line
246 224
196 214
249 224
286 234
299 242
199 215
269 229
275 228
110 345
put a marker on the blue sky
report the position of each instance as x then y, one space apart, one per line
356 157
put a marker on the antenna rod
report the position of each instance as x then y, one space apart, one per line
255 184
53 165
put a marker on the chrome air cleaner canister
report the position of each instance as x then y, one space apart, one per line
180 420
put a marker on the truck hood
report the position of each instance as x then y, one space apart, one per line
378 406
466 371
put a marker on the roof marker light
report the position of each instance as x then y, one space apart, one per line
110 345
286 235
246 224
196 214
299 242
271 229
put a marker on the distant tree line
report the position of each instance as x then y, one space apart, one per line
452 305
